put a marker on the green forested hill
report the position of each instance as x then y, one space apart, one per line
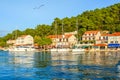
99 19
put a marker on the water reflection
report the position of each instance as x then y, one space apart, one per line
91 65
101 58
21 59
60 66
42 59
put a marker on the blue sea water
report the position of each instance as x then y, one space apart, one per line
59 66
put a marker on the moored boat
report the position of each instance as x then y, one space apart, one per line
60 50
78 50
22 48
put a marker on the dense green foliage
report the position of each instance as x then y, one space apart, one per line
99 19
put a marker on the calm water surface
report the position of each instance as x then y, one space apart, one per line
59 66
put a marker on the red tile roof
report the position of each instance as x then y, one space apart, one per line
60 36
113 34
104 34
116 33
100 44
91 32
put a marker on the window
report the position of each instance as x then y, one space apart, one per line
104 38
89 38
60 40
67 39
99 38
111 41
116 41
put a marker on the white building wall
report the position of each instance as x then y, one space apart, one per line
113 39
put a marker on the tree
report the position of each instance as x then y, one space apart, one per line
118 28
29 31
43 30
42 41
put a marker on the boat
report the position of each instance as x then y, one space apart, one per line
54 50
60 49
64 49
77 48
21 48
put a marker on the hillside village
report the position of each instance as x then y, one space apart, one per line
97 40
94 28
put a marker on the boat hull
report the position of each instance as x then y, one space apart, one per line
60 50
21 49
77 50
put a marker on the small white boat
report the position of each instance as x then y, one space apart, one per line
78 50
60 50
54 50
22 48
64 50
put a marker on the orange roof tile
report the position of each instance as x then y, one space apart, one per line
54 36
114 35
100 44
91 32
68 35
104 34
60 36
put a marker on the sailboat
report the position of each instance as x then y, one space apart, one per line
60 49
55 49
77 49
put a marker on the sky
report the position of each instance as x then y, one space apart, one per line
23 14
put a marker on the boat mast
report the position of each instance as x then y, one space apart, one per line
77 29
62 34
56 33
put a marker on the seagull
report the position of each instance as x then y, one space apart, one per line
39 7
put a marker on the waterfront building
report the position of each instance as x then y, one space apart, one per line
103 39
24 40
63 40
114 40
91 36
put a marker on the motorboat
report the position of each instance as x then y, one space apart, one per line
21 48
60 50
77 50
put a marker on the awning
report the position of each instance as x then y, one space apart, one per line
100 44
85 46
113 45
